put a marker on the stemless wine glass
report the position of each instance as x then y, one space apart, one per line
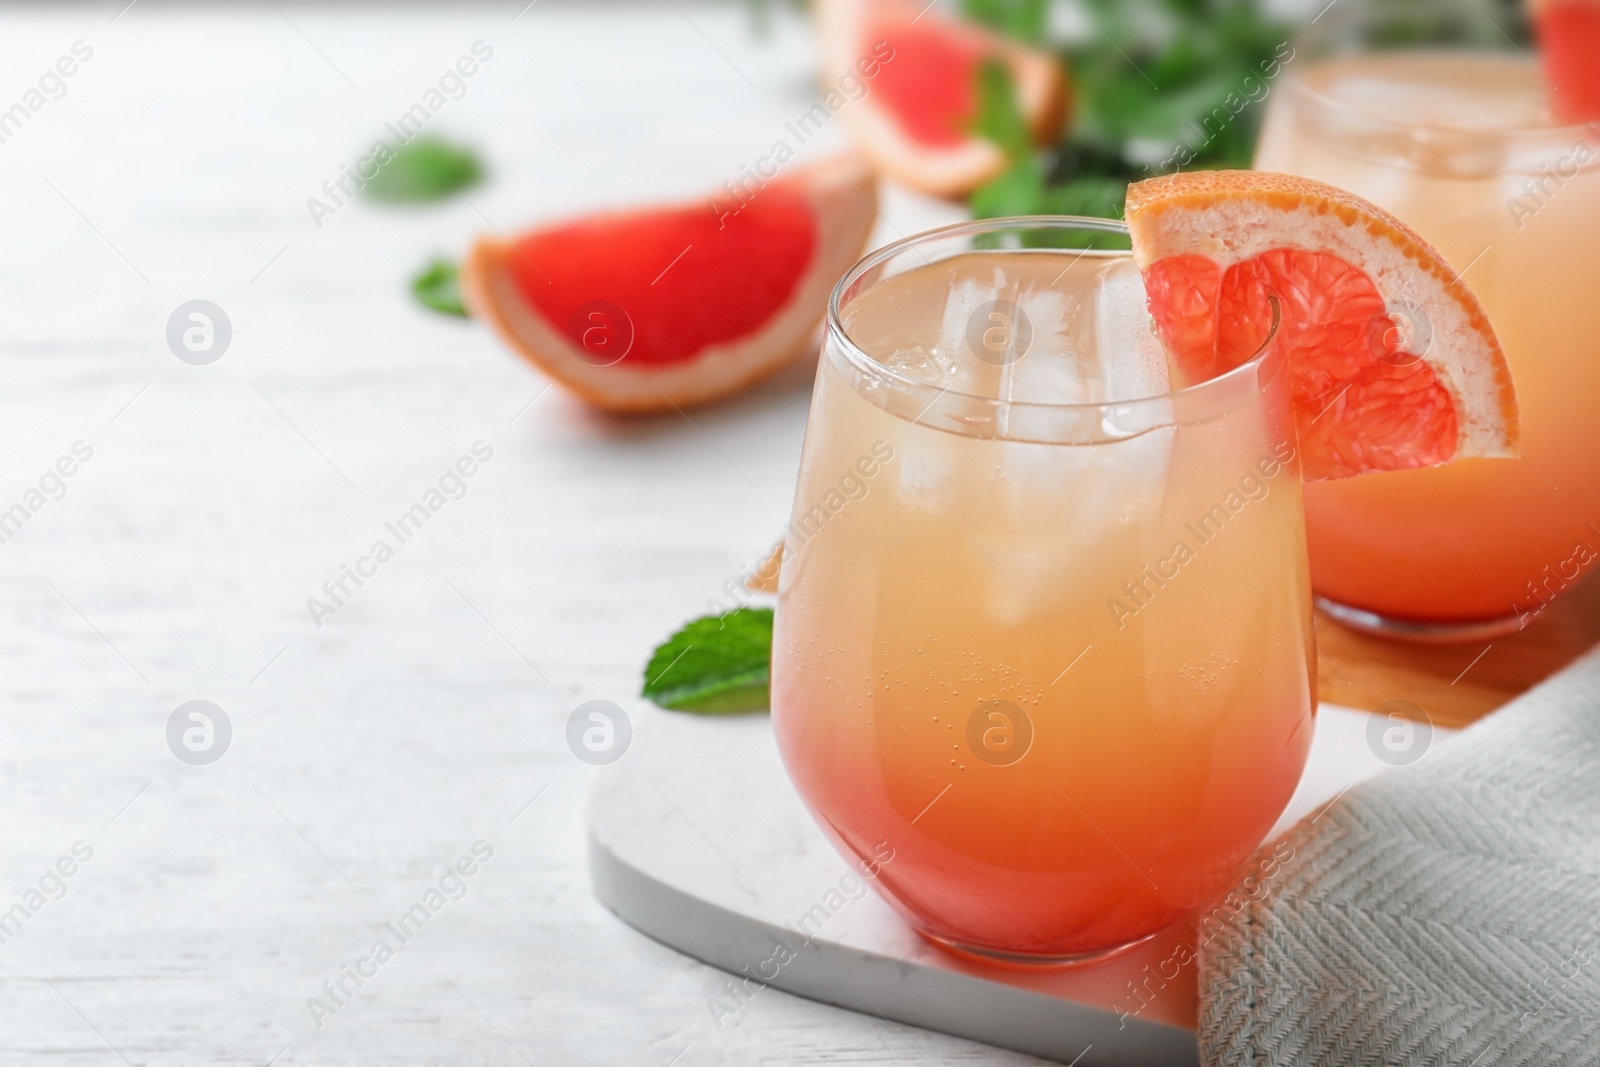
1425 109
1042 655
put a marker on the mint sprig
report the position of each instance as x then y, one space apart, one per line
1023 187
716 665
1152 82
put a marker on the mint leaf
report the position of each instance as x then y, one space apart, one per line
999 118
1158 71
1024 20
1160 84
1096 197
424 169
1019 190
439 287
715 665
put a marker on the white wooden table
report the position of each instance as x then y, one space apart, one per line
368 754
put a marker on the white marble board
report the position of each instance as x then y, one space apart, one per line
697 838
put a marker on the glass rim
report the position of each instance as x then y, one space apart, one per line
1309 35
1187 396
1566 133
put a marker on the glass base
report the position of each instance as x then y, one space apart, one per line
1421 631
1030 961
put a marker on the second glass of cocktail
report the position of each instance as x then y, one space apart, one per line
1426 110
1043 627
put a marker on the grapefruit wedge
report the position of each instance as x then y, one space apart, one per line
1393 364
1569 42
673 306
917 74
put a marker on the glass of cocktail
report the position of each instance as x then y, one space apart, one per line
1043 626
1427 111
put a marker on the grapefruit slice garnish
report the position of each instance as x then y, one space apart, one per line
672 306
1392 361
1569 47
907 79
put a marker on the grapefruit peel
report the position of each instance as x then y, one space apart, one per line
914 122
499 282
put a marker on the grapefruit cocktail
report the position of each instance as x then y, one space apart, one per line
1461 144
1043 620
1044 624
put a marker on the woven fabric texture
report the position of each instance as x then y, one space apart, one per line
1446 912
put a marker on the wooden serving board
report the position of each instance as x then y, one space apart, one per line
1455 685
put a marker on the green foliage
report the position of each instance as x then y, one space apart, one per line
1157 85
424 169
716 665
1092 196
999 118
1023 20
1157 70
439 287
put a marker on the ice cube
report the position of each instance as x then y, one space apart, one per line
929 366
1063 515
1131 360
